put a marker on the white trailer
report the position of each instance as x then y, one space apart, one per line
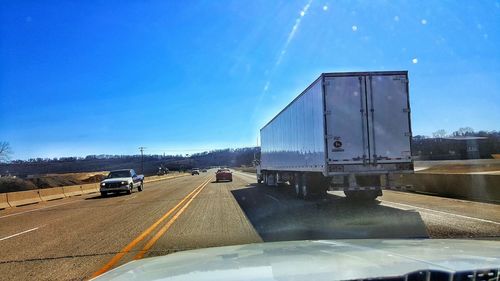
346 131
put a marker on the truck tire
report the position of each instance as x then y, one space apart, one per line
305 188
104 194
296 185
305 192
271 180
371 195
321 192
141 187
366 196
129 190
319 185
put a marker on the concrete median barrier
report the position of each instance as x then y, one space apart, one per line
54 193
90 188
19 198
73 190
23 198
3 201
467 186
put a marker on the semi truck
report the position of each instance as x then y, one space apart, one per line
347 131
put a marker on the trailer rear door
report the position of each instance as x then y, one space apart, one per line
367 118
346 122
388 118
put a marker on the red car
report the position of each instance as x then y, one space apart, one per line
223 175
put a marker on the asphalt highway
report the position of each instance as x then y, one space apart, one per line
80 237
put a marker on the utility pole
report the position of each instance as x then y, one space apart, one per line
142 159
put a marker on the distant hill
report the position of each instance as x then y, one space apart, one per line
93 163
440 147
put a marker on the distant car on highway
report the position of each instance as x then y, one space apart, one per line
223 175
162 171
195 172
204 170
121 180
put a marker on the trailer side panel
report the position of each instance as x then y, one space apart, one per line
294 139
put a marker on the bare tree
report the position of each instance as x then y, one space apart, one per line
5 151
439 134
462 132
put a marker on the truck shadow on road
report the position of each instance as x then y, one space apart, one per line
277 215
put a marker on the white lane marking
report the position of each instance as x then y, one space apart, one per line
484 173
441 212
34 210
246 175
17 234
416 169
273 198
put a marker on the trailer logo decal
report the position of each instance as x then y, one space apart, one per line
337 144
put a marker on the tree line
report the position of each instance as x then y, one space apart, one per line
151 163
456 145
440 146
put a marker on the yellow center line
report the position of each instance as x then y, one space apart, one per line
164 229
143 235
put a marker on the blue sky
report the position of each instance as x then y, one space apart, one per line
105 77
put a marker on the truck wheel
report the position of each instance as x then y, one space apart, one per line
129 190
259 181
296 185
362 195
319 185
371 195
298 192
321 192
351 195
104 194
271 180
141 187
306 192
305 189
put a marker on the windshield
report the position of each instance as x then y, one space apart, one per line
119 174
310 119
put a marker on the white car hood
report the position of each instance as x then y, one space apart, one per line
314 260
115 180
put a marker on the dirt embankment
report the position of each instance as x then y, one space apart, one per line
11 184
